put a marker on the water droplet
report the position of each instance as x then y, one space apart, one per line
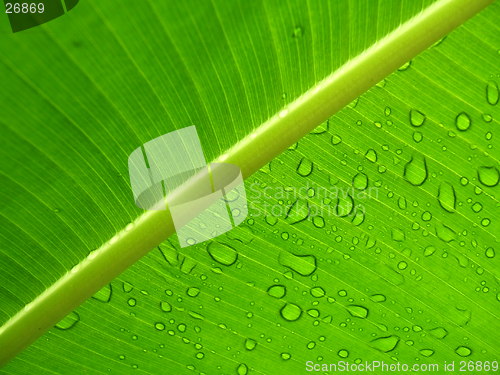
463 351
305 167
242 369
317 292
357 311
132 302
426 352
104 295
285 356
463 121
304 265
192 292
439 332
378 298
68 321
165 306
398 235
323 128
222 253
405 66
343 353
336 139
297 32
447 197
345 205
250 344
291 312
490 252
318 221
418 137
160 326
492 93
298 211
417 118
360 181
311 345
277 291
371 155
445 233
385 344
488 176
415 171
127 287
402 265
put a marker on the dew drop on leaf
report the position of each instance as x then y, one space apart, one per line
426 352
378 298
250 344
429 250
304 265
463 121
291 312
343 353
385 344
277 291
127 287
439 332
336 139
222 253
104 295
405 66
323 128
131 302
317 292
492 93
242 369
490 252
68 321
463 351
415 171
357 311
397 235
417 118
360 181
298 211
160 326
371 155
192 292
285 356
318 221
488 176
305 167
447 197
345 205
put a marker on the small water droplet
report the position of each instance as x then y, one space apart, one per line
159 326
463 351
371 155
104 295
463 121
277 291
426 352
385 344
378 298
291 312
317 292
447 197
336 139
488 176
131 302
343 353
439 332
242 369
318 221
417 118
492 93
360 181
297 32
222 253
357 311
305 167
304 265
250 344
405 66
286 356
165 306
415 171
68 321
298 211
192 292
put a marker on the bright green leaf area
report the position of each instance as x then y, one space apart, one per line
372 238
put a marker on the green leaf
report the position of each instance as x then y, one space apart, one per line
372 238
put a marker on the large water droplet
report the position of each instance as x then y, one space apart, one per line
68 321
222 253
463 121
250 344
385 344
304 265
345 205
277 291
291 312
492 93
488 176
415 171
463 351
103 295
360 181
357 311
417 118
305 167
242 369
298 211
447 197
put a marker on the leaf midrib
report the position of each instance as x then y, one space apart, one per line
251 153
